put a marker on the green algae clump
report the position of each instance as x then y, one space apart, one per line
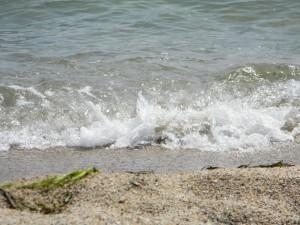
6 186
59 181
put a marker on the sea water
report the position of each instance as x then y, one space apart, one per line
216 75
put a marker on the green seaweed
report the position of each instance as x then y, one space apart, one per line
59 181
6 186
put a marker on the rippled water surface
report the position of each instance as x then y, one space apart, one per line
212 75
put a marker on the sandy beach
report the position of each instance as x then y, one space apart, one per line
220 196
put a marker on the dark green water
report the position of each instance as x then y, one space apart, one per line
213 75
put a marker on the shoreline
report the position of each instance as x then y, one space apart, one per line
220 196
21 163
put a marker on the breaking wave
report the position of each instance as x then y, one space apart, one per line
248 108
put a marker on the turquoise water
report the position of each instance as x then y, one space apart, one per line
212 75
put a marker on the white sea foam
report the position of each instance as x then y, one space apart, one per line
1 98
29 89
220 126
24 138
49 93
87 90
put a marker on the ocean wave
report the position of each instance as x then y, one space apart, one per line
247 108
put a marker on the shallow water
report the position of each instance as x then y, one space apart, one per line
211 75
18 164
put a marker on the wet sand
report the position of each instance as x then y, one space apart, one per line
16 164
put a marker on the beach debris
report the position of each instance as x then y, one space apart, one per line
211 168
141 172
49 195
272 165
276 164
9 199
244 166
